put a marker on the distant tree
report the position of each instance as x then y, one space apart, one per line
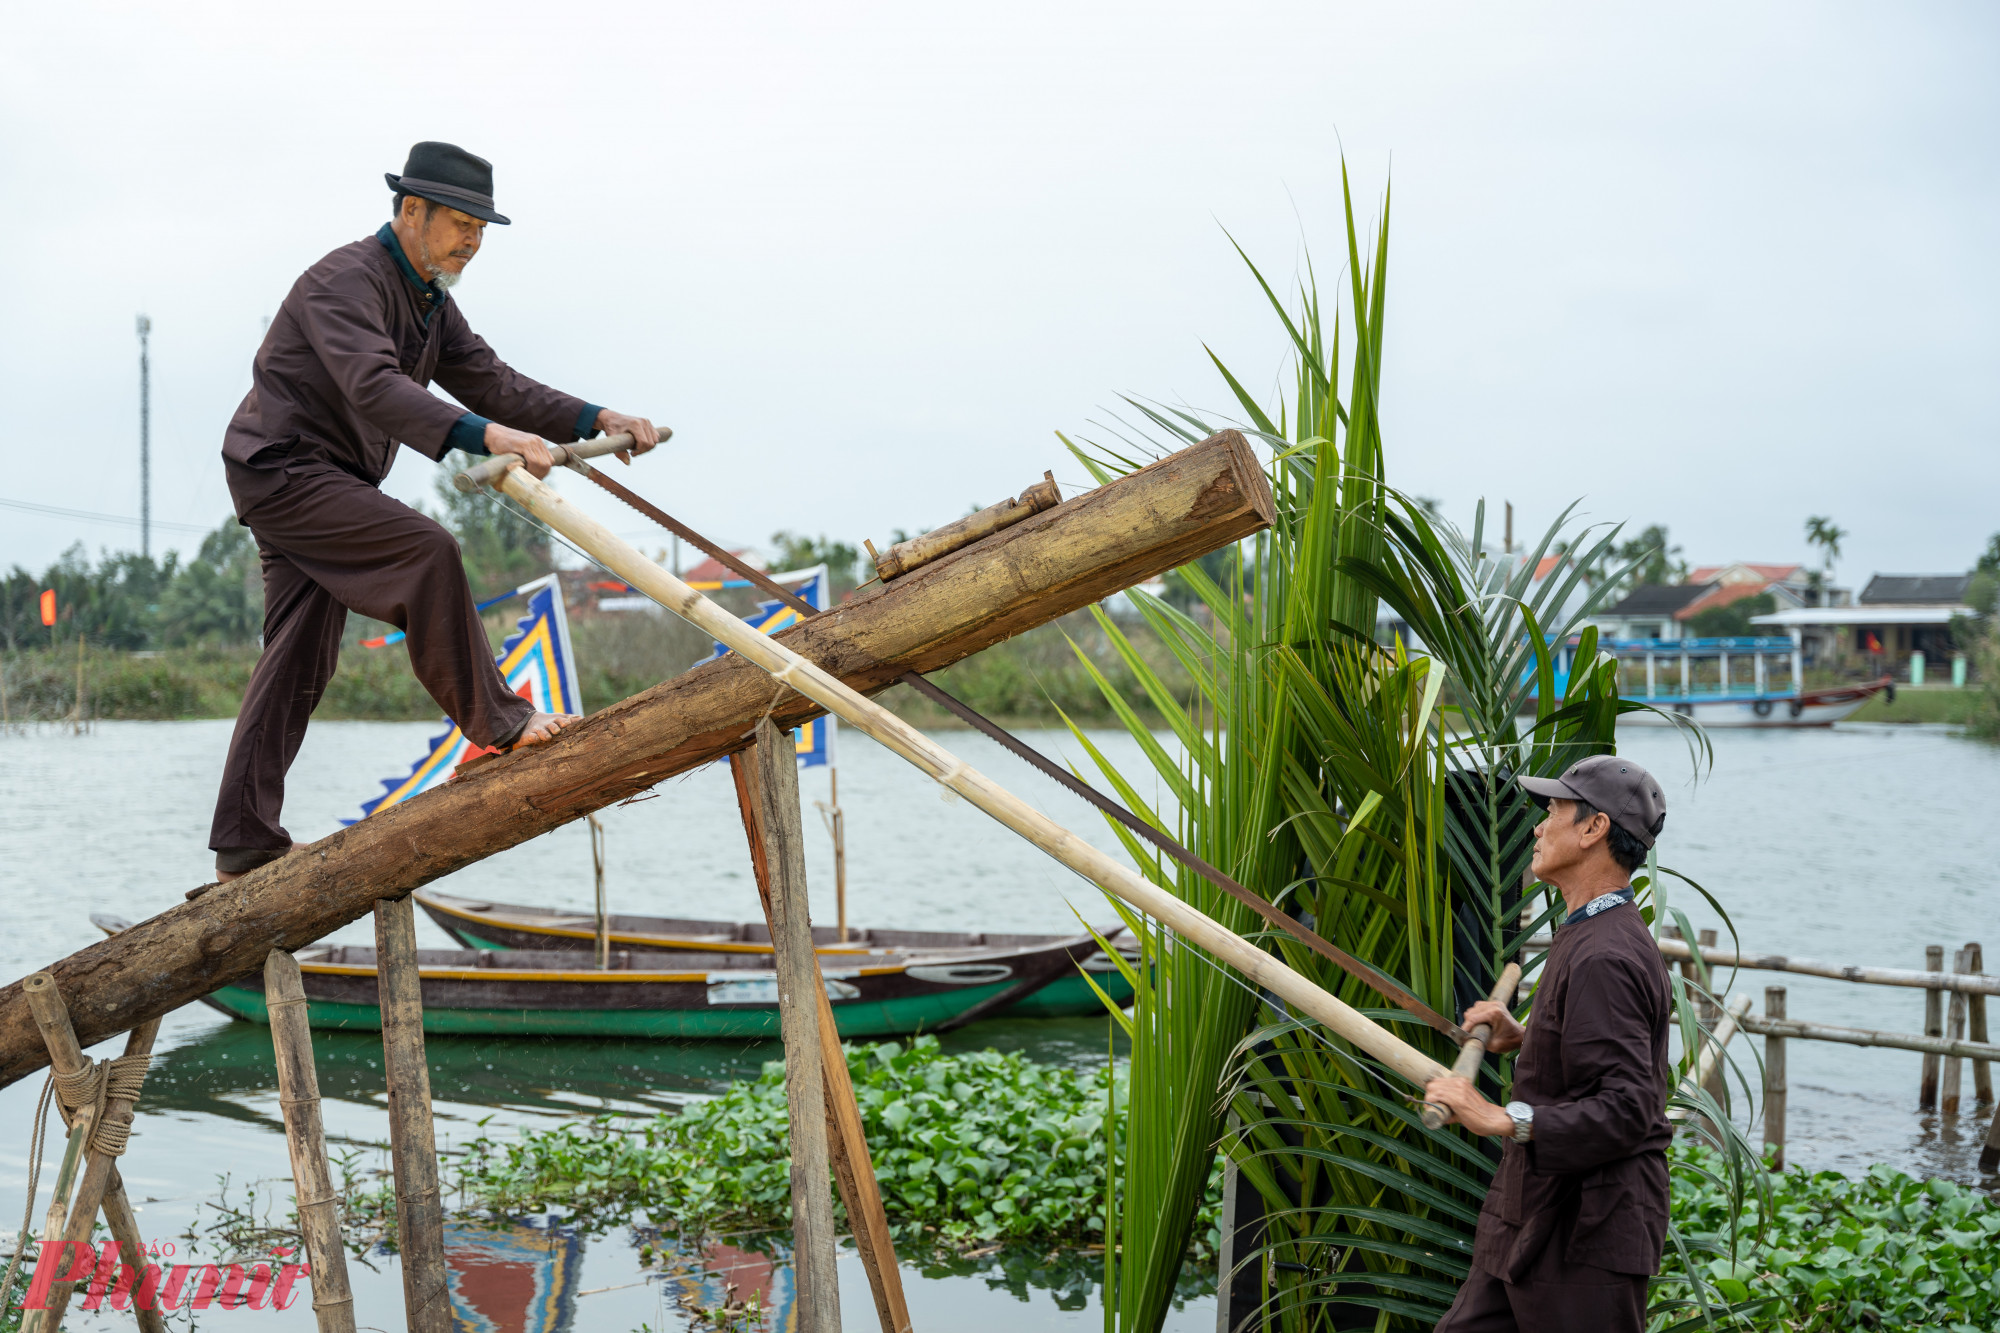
794 550
1658 560
1732 621
218 598
1219 565
1824 533
500 548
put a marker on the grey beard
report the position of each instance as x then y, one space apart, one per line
448 280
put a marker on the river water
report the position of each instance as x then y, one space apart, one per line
1857 845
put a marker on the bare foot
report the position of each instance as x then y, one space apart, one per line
543 727
224 876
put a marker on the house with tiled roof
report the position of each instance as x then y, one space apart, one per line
1898 619
1661 611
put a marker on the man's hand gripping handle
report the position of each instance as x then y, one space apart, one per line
490 471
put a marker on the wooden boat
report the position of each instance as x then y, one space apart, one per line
1813 708
479 924
684 996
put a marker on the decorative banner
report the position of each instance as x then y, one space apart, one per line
813 740
539 666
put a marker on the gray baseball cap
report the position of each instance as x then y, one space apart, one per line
1618 787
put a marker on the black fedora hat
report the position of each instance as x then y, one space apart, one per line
447 174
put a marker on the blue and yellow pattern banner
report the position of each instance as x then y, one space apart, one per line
539 666
814 739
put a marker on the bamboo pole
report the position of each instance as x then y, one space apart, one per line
305 1138
94 1184
1974 984
847 1142
66 1057
788 668
1895 1041
1710 1015
412 1137
1775 1088
1975 1004
603 949
1474 1050
815 1278
76 724
1927 1090
1948 1091
837 819
1735 1015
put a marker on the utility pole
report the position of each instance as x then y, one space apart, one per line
145 440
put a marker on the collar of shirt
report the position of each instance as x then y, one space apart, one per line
431 295
1603 902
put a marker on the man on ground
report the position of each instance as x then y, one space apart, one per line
341 379
1577 1214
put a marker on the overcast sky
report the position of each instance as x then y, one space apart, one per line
1717 266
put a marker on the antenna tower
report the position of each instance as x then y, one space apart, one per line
145 440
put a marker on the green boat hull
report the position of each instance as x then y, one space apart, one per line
1065 997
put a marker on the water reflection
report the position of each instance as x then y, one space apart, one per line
216 1071
512 1277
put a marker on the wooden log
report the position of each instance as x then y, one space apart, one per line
1975 1005
847 1143
1895 1041
305 1139
1473 1052
1927 1089
1954 1030
815 1278
1069 557
1775 1088
412 1136
789 669
920 550
95 1179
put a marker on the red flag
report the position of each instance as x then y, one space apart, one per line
48 606
1874 644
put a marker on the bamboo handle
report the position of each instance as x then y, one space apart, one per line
788 668
490 471
1474 1051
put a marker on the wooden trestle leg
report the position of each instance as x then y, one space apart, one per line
98 1184
412 1139
854 1171
305 1137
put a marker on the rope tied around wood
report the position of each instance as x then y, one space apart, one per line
96 1084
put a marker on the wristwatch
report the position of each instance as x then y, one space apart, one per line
1523 1116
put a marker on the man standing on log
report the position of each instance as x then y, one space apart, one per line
1577 1215
341 379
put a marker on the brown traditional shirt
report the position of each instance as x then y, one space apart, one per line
343 374
1594 1067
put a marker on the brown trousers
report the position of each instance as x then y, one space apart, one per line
331 543
1552 1298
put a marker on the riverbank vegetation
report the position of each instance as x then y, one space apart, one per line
1033 680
